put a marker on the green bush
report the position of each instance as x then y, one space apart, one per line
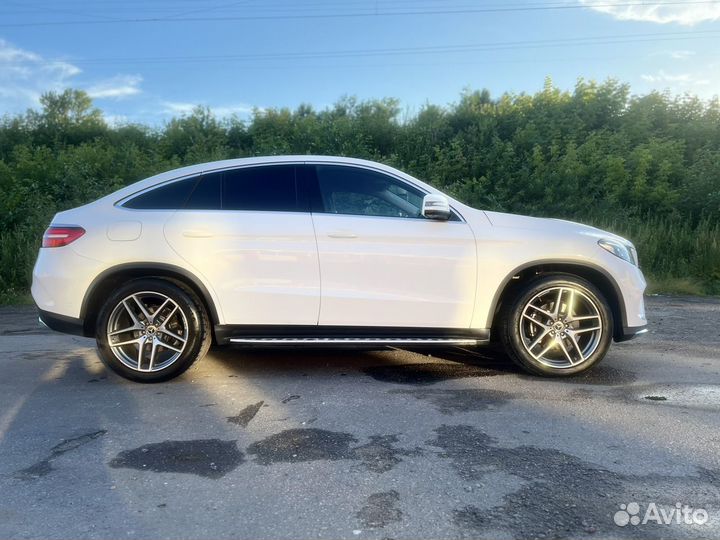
646 167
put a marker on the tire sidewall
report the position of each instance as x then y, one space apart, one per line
194 314
512 331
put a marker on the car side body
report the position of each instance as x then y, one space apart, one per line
301 269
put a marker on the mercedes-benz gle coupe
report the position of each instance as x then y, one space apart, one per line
308 250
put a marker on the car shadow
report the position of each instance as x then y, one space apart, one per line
318 360
411 365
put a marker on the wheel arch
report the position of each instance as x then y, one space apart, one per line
107 280
596 275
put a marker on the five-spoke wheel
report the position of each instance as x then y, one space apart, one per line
151 330
558 325
561 327
147 331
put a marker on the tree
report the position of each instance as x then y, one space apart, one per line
66 118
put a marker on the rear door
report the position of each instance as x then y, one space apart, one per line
382 263
245 232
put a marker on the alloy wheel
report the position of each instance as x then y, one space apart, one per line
561 327
147 331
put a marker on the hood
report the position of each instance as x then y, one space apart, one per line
560 226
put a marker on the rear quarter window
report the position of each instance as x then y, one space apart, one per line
167 197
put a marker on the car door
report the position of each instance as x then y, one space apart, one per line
242 229
382 263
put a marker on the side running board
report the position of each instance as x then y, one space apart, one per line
355 341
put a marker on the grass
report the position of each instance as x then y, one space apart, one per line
676 256
676 286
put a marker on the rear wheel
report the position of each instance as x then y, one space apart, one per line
152 330
558 325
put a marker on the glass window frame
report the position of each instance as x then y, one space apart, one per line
122 203
317 204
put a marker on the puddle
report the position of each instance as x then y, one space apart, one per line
295 445
562 495
211 458
311 444
380 454
244 417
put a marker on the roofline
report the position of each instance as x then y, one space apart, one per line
199 168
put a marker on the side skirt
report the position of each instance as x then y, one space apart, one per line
347 335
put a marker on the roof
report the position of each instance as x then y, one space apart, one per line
229 163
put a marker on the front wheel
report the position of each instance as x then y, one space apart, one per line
152 330
558 325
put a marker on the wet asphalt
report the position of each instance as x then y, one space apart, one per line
451 443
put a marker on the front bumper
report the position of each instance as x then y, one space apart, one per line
629 333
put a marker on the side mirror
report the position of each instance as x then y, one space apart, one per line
436 207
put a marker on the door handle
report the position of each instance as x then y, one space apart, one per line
342 234
197 233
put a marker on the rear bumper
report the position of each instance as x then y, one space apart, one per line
60 279
62 323
629 333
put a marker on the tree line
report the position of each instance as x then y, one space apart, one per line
646 166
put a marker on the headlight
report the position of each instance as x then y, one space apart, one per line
625 251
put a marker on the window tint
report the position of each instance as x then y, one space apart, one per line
270 188
351 190
207 194
167 197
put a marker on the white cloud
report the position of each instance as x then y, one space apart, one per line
683 80
240 110
681 55
118 87
688 14
115 120
25 75
179 108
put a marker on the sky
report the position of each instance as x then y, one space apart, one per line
149 60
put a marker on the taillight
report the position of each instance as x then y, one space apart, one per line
61 235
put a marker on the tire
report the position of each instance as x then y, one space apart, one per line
557 345
168 319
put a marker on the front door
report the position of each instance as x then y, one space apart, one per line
382 263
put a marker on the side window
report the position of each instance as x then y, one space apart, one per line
166 197
356 191
207 194
269 188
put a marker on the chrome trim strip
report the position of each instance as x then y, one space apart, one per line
362 341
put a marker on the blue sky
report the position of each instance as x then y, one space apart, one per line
234 56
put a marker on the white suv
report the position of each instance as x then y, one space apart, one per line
326 250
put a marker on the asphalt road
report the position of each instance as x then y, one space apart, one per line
339 444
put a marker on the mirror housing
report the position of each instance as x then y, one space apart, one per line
436 206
